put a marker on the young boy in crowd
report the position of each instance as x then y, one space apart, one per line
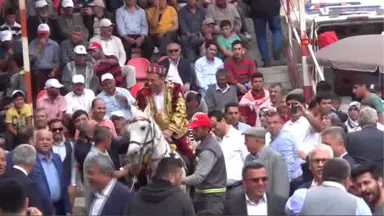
11 24
18 117
226 39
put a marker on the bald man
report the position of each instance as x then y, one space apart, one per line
98 114
48 174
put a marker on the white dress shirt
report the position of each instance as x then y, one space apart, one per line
113 46
235 152
82 102
173 73
227 87
159 100
206 71
101 198
260 208
21 169
59 148
306 137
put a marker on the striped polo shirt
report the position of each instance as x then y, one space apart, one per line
115 70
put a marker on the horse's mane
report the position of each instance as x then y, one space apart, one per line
138 114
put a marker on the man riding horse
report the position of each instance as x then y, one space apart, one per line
165 103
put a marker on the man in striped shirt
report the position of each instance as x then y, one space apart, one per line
106 64
11 24
241 68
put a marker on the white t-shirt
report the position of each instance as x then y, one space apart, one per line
305 135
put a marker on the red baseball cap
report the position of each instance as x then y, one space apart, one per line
94 45
201 120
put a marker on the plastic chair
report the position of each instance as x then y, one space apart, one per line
162 58
136 88
141 65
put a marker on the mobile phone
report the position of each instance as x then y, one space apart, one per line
294 109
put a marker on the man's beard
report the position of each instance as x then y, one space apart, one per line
376 194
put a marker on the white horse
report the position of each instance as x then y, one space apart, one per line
147 143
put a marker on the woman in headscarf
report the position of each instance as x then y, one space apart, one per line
330 119
353 116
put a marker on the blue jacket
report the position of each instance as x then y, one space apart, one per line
37 175
116 202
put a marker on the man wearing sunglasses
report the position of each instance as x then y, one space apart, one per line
273 161
179 69
256 200
64 148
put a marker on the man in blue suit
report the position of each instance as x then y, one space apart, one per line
109 197
48 174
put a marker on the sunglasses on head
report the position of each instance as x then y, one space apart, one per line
56 129
173 50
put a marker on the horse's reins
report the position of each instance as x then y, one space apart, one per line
151 141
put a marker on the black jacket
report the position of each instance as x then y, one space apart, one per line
351 161
184 68
366 146
160 198
31 188
264 8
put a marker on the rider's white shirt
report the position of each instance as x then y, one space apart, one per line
159 100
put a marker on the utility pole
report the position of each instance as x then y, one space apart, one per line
25 48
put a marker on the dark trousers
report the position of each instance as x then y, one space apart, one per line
274 23
162 42
11 141
191 46
146 47
4 81
214 203
59 207
39 76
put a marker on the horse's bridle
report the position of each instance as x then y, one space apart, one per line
151 131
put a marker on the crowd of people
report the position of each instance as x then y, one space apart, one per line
249 149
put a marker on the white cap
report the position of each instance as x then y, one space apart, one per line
17 91
53 83
43 28
118 113
107 76
6 35
78 78
67 4
105 23
99 3
40 4
80 50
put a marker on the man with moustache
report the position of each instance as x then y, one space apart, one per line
368 183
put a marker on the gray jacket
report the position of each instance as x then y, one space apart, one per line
326 200
276 169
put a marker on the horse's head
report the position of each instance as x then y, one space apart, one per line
142 132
